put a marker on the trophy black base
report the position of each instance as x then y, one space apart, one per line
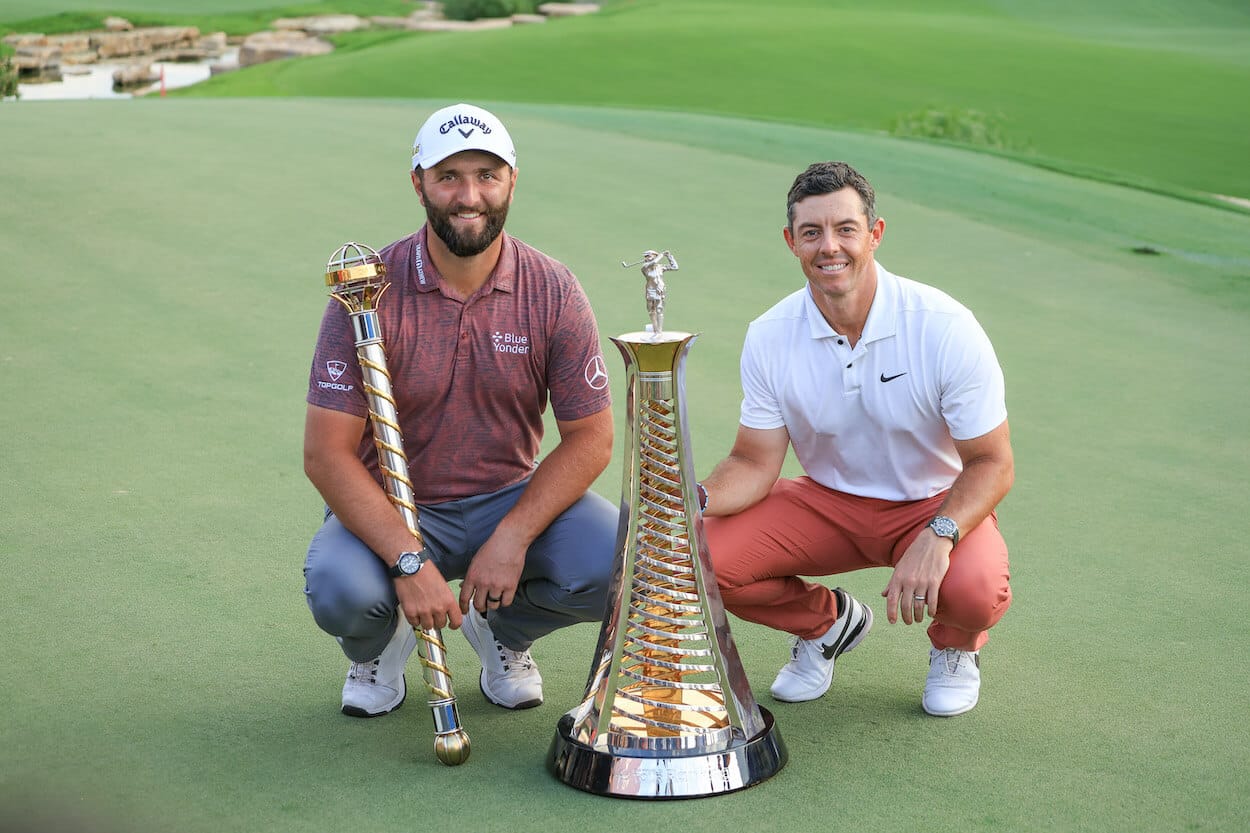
667 776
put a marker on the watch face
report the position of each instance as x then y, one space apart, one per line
944 527
409 563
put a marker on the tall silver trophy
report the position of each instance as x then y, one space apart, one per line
356 276
668 712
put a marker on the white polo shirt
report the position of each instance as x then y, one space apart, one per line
876 420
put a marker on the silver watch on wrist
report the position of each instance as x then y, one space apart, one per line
944 527
408 564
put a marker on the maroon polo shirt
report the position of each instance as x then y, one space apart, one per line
471 378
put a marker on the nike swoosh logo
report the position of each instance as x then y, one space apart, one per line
832 651
885 378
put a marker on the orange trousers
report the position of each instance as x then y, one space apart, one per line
805 529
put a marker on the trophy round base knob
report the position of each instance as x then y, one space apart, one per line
452 748
667 776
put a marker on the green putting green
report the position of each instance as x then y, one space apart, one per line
163 266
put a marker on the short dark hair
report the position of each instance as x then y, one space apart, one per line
825 178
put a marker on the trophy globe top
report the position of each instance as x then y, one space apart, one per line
354 266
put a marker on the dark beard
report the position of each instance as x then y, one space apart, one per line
466 245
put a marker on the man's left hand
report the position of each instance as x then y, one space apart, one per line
493 575
917 578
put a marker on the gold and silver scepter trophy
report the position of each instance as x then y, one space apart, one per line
356 276
668 712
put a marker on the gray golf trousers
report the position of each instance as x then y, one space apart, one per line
564 581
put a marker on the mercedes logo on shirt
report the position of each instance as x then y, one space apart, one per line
596 373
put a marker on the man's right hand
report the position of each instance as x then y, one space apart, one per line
426 600
748 474
330 442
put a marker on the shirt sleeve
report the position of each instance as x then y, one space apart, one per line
760 406
973 392
334 381
577 374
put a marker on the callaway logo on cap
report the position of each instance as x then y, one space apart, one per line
461 127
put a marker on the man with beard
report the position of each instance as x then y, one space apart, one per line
480 330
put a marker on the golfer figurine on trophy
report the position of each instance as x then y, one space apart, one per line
653 268
668 711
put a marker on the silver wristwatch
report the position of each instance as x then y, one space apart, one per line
408 564
944 527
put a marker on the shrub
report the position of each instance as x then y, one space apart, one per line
473 9
968 127
8 76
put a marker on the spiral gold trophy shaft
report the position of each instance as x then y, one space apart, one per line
357 279
668 712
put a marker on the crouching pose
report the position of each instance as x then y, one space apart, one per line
893 399
481 331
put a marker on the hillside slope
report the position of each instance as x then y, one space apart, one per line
1151 94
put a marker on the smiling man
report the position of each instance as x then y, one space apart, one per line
480 331
892 397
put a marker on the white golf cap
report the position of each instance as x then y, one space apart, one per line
461 127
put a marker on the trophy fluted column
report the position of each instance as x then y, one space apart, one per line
668 711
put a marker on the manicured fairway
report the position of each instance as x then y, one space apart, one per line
1152 93
164 264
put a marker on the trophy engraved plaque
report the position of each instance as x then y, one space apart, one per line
668 712
356 276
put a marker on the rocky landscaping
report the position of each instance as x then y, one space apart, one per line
46 58
40 58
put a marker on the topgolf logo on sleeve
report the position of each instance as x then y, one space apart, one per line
336 369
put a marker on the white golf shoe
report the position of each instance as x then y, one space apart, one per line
809 672
509 678
954 682
377 686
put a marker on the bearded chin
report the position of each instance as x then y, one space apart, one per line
467 245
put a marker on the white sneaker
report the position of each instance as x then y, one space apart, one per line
809 672
509 678
376 687
954 682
